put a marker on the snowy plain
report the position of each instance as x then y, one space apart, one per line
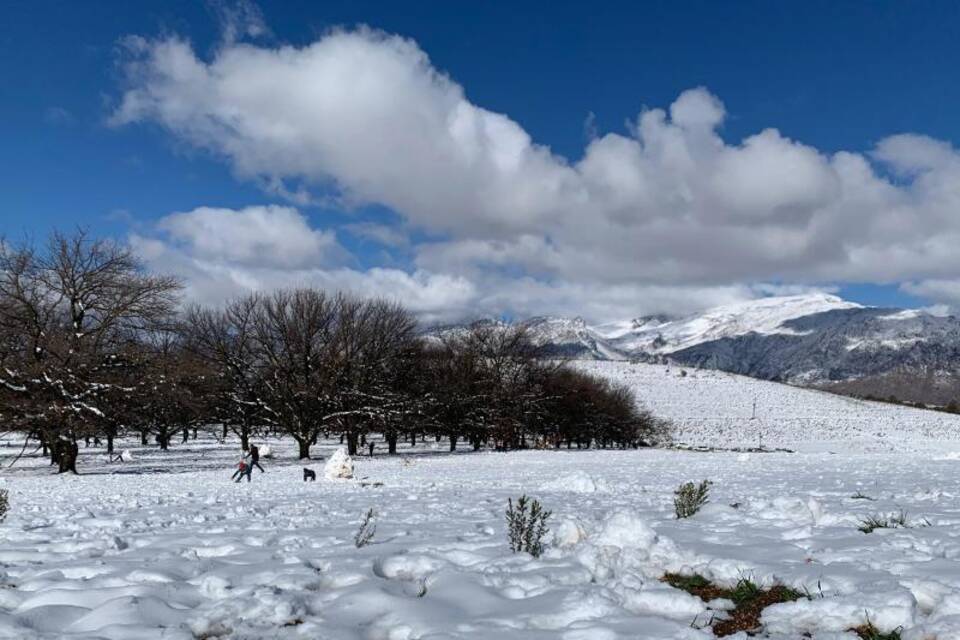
165 546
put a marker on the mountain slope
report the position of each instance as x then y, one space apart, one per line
764 316
815 339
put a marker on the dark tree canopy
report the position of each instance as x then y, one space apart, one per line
91 344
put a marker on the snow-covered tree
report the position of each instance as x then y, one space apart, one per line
77 308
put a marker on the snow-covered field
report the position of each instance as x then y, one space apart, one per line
166 546
715 408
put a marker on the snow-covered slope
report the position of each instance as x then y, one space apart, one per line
763 316
715 408
570 337
814 339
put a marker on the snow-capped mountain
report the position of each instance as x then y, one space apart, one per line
766 316
815 339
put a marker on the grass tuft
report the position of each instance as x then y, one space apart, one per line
896 521
869 632
749 599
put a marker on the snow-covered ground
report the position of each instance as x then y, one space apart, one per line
192 555
715 408
165 546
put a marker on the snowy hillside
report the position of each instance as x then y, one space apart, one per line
814 339
715 408
763 316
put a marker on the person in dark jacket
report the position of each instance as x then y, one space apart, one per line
255 458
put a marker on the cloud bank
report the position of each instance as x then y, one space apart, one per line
666 216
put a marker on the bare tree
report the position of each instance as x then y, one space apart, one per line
373 343
294 333
227 341
78 306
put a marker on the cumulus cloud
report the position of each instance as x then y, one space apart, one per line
224 253
667 205
269 236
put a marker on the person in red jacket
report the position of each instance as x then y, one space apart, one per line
243 469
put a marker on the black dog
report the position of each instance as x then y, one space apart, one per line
309 474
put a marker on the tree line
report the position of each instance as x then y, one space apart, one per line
93 345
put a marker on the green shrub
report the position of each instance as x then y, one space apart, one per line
690 497
526 525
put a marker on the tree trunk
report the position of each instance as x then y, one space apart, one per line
352 443
186 435
245 438
143 437
413 439
224 431
110 440
453 443
391 443
304 446
163 439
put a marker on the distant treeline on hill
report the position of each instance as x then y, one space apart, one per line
92 345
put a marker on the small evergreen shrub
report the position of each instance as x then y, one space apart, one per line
368 527
526 525
690 497
4 504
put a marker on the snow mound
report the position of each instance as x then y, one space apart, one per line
339 466
577 482
624 529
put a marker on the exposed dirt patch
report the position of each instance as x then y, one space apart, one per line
749 600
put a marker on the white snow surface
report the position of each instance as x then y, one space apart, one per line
719 409
192 555
763 315
166 546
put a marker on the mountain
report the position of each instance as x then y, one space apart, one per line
766 316
815 339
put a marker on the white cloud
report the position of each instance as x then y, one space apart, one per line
668 205
223 253
383 234
264 236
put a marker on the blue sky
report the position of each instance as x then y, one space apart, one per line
832 77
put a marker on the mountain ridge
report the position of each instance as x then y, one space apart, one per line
816 339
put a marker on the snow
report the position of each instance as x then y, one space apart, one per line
764 316
719 409
339 466
166 546
660 335
192 555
